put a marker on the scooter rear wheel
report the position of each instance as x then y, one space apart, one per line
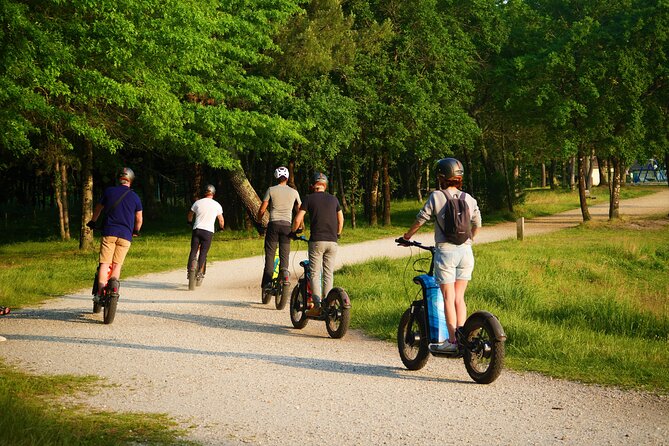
298 308
337 315
282 296
483 355
110 309
412 341
192 275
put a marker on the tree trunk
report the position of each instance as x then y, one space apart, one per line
58 192
551 174
247 195
374 194
543 174
469 177
196 183
291 174
85 234
66 206
590 170
509 193
603 171
614 190
419 180
386 190
340 184
581 188
151 195
572 173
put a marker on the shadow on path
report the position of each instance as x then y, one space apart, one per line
324 365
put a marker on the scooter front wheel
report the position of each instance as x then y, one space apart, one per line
412 341
337 313
483 353
298 308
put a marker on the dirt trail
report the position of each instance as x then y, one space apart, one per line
219 359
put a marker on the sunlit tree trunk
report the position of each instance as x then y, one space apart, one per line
614 190
374 194
85 234
419 180
581 188
386 191
247 195
66 207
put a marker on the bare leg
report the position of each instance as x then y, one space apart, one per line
460 305
448 290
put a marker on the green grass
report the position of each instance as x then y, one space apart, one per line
587 304
33 413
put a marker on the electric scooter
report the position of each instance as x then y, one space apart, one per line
336 307
423 326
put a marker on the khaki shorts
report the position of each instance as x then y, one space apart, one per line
113 249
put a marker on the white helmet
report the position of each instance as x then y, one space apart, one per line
281 172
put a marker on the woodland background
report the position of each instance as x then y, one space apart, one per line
372 92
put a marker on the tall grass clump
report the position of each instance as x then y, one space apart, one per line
588 303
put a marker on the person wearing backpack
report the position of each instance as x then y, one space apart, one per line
457 222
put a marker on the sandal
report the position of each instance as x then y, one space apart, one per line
4 310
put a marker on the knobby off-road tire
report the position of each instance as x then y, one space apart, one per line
484 358
266 295
412 341
298 308
282 297
337 316
192 275
110 310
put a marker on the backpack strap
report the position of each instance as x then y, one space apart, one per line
107 211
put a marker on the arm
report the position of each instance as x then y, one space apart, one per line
261 211
221 222
340 222
299 219
413 229
190 216
475 231
139 219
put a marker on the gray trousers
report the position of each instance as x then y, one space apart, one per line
322 257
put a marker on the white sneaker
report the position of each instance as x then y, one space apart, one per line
445 347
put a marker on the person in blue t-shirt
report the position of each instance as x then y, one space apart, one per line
123 214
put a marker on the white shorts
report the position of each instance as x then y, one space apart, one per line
453 262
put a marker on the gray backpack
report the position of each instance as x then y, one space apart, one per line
457 219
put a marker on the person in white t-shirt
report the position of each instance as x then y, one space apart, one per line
203 215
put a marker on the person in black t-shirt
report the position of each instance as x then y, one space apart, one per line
327 222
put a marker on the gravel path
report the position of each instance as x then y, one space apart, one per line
236 369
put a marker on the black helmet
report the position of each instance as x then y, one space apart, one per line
449 168
210 189
319 177
127 174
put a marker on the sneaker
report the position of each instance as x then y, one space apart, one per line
314 311
444 347
97 298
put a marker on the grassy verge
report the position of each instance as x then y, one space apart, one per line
585 304
33 414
